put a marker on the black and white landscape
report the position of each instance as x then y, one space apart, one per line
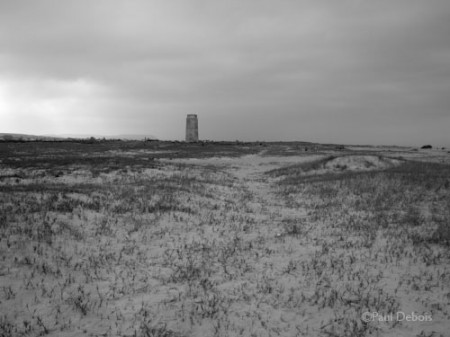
224 168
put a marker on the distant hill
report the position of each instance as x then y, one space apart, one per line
27 137
121 136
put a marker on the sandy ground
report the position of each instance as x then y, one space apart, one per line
278 283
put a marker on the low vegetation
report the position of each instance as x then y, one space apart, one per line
175 239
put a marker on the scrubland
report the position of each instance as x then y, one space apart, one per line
222 239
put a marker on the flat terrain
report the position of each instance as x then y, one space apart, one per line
223 239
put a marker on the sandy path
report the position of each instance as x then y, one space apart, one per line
249 171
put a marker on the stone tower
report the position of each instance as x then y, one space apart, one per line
191 128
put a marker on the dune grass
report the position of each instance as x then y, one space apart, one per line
164 248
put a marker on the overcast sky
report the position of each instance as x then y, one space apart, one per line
347 71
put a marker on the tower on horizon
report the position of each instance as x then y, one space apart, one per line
191 128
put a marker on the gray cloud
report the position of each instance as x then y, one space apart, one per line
349 71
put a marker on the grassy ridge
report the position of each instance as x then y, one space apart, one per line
414 193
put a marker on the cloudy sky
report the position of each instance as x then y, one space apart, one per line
347 71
